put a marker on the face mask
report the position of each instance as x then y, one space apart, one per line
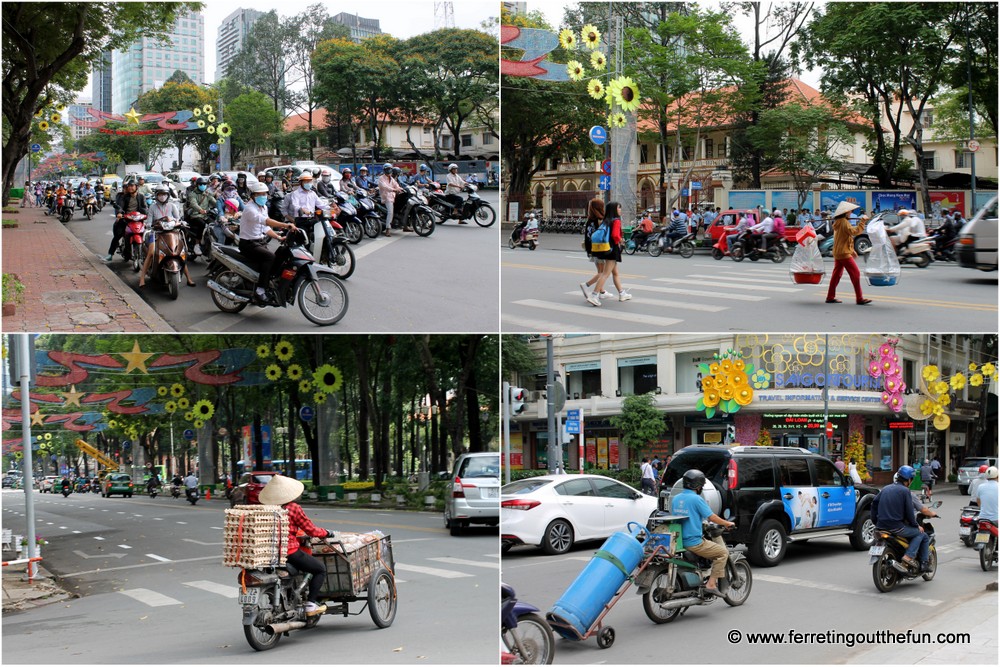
262 200
307 186
202 188
162 199
326 179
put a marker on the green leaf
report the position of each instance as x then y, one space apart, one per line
704 369
748 369
700 405
710 412
732 406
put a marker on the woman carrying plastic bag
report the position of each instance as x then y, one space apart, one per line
882 267
844 254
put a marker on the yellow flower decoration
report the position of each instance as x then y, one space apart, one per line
196 112
198 423
927 408
176 390
744 395
211 129
720 381
170 407
183 403
940 387
211 117
189 416
224 130
328 379
319 397
273 372
55 118
738 378
726 365
596 89
221 140
48 437
201 123
627 94
714 368
294 372
43 126
739 364
305 386
944 399
976 379
591 36
575 70
727 392
711 398
973 367
988 370
284 350
567 39
162 391
942 422
38 114
598 61
616 119
263 351
958 381
203 409
60 108
207 108
938 410
931 373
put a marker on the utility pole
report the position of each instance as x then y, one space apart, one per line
972 124
826 394
505 399
24 370
554 447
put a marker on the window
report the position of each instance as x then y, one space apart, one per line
466 140
709 145
962 159
574 487
827 474
487 138
756 472
926 118
928 161
643 153
794 472
591 383
427 130
608 488
722 147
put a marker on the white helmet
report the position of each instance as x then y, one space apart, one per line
452 166
991 472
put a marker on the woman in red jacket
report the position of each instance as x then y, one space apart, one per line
612 258
284 491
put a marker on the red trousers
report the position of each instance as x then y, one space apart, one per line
839 266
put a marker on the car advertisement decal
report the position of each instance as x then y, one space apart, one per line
802 506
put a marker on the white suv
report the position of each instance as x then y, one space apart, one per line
475 492
969 470
977 241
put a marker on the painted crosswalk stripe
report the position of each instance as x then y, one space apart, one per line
433 571
151 598
926 602
123 546
512 323
98 538
752 279
729 285
159 558
616 314
664 303
706 293
462 561
213 587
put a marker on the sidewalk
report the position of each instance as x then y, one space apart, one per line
67 287
18 594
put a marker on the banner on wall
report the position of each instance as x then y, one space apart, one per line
789 199
890 201
591 451
602 452
516 452
613 459
943 200
746 199
830 199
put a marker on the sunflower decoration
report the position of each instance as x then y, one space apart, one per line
48 437
263 351
273 372
223 130
170 407
55 118
203 409
196 112
305 386
210 129
294 372
189 416
596 89
575 70
176 390
207 108
626 94
591 36
284 350
43 126
112 423
201 124
161 391
221 140
39 113
567 38
616 119
319 397
198 423
726 384
598 61
211 117
327 379
183 403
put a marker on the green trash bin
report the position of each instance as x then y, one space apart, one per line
323 493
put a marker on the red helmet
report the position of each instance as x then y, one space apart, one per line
983 468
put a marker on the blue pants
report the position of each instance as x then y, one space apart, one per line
919 541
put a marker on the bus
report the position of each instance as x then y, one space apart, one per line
303 467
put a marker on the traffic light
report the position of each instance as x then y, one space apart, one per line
730 433
517 396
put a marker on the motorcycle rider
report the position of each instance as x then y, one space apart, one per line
127 201
980 478
214 185
284 491
644 230
347 183
162 207
765 230
241 186
388 188
893 510
268 180
325 187
254 233
986 496
154 477
198 206
423 177
85 192
362 181
286 180
678 228
303 201
909 227
453 190
190 484
744 224
689 503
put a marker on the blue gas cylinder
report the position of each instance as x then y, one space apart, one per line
575 612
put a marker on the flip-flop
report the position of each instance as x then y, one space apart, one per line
864 302
834 301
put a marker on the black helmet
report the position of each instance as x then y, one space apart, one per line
202 180
694 479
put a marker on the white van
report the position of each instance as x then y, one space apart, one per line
977 241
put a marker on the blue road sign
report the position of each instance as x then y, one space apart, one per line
127 444
573 414
598 135
685 193
306 413
214 148
188 434
696 185
604 183
573 426
35 148
606 167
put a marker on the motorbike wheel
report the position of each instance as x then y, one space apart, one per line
968 540
86 213
862 244
174 285
737 253
985 554
423 224
259 638
231 281
630 247
923 260
653 597
933 560
737 595
354 232
485 216
64 216
717 254
136 257
373 227
535 636
778 254
323 301
685 249
532 245
342 261
382 598
654 249
884 574
511 244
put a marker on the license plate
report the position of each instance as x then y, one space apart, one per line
876 550
250 597
490 492
982 538
964 530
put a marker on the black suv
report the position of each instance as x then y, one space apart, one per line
775 495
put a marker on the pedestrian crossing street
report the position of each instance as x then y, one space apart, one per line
711 288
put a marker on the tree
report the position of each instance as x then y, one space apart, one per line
50 47
978 63
854 452
254 122
178 92
264 62
639 422
764 438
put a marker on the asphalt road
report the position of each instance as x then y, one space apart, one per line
821 585
670 293
447 282
154 591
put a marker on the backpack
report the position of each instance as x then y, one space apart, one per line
779 227
600 239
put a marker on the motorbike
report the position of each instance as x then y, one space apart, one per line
634 245
673 582
276 204
968 525
296 278
175 490
66 490
89 207
886 556
917 251
99 199
986 544
66 207
130 246
169 254
368 213
195 229
353 227
411 211
331 247
944 247
721 249
526 635
191 495
472 207
747 245
523 239
153 489
224 231
683 246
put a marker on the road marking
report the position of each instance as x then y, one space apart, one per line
216 527
159 558
730 285
581 272
213 587
76 532
513 323
107 555
182 523
927 602
124 546
462 561
151 598
708 293
433 571
138 565
204 544
683 305
590 311
99 538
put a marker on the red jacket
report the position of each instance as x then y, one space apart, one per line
297 520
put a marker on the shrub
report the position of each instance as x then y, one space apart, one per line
13 289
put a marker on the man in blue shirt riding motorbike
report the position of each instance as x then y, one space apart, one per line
689 503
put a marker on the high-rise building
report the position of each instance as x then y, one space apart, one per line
232 34
78 110
516 8
101 86
148 63
360 27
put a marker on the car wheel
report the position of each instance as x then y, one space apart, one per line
964 490
769 545
863 534
558 537
456 528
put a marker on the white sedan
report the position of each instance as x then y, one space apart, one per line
555 511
